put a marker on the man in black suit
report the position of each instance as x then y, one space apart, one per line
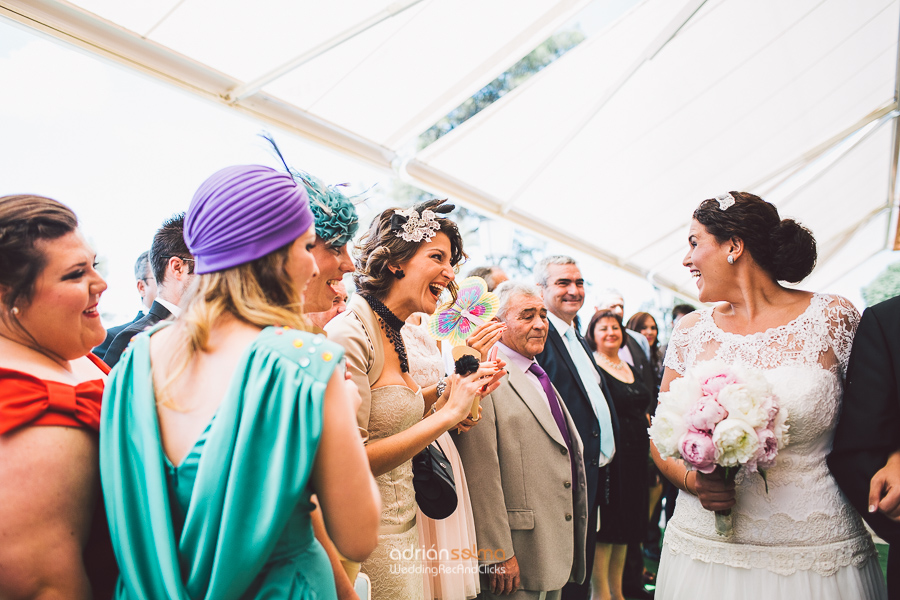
865 460
173 268
146 287
580 383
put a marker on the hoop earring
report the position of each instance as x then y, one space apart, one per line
399 274
730 259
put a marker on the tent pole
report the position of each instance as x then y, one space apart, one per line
103 39
895 156
248 89
433 180
689 9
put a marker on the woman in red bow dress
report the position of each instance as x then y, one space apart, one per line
50 392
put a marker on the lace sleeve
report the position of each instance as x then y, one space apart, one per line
843 319
677 351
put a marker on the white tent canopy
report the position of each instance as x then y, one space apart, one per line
608 149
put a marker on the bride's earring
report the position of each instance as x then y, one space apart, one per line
14 310
730 259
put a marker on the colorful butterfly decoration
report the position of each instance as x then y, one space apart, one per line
474 306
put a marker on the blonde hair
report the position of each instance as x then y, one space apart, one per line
259 292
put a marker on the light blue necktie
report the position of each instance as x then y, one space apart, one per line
587 372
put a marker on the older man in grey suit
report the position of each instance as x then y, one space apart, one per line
524 467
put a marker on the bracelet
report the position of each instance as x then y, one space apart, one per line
433 408
441 386
684 483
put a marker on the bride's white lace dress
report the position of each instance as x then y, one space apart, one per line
802 539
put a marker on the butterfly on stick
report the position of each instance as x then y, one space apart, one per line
474 306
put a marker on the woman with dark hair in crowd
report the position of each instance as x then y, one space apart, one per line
624 520
795 535
645 324
50 393
404 263
220 426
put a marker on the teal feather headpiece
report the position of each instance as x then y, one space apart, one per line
335 214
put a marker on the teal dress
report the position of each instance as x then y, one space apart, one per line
232 521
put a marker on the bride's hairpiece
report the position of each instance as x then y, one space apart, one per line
725 201
414 226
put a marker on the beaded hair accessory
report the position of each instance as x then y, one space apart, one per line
415 226
391 324
725 201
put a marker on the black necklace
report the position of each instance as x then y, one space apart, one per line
391 324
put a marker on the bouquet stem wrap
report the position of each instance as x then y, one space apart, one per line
724 518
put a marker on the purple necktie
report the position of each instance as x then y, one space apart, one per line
556 411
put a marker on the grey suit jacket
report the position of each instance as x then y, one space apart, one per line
519 477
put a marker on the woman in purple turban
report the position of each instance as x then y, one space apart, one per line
217 428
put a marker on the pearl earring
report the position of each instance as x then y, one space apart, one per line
730 259
14 310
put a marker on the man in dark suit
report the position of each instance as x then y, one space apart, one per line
146 287
173 268
581 384
865 460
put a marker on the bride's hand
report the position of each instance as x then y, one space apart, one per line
714 492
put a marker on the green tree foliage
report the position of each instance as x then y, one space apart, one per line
550 50
886 285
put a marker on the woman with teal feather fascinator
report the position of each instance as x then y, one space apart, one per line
336 224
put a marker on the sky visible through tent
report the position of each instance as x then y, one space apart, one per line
126 152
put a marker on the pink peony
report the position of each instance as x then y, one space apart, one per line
769 406
697 450
705 414
714 384
768 448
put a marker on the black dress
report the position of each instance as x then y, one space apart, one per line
624 519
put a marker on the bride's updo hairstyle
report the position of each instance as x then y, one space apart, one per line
782 247
381 246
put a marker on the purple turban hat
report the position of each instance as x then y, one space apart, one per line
242 213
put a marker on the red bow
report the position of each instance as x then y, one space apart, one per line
27 400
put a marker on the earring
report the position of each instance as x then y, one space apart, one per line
14 310
730 259
399 274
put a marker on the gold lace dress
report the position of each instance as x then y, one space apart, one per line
395 567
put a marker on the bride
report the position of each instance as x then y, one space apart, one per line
801 539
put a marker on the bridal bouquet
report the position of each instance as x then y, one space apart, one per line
720 415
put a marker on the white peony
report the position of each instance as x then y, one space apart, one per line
708 368
742 403
754 380
666 430
682 394
736 442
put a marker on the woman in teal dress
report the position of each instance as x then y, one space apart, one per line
217 428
